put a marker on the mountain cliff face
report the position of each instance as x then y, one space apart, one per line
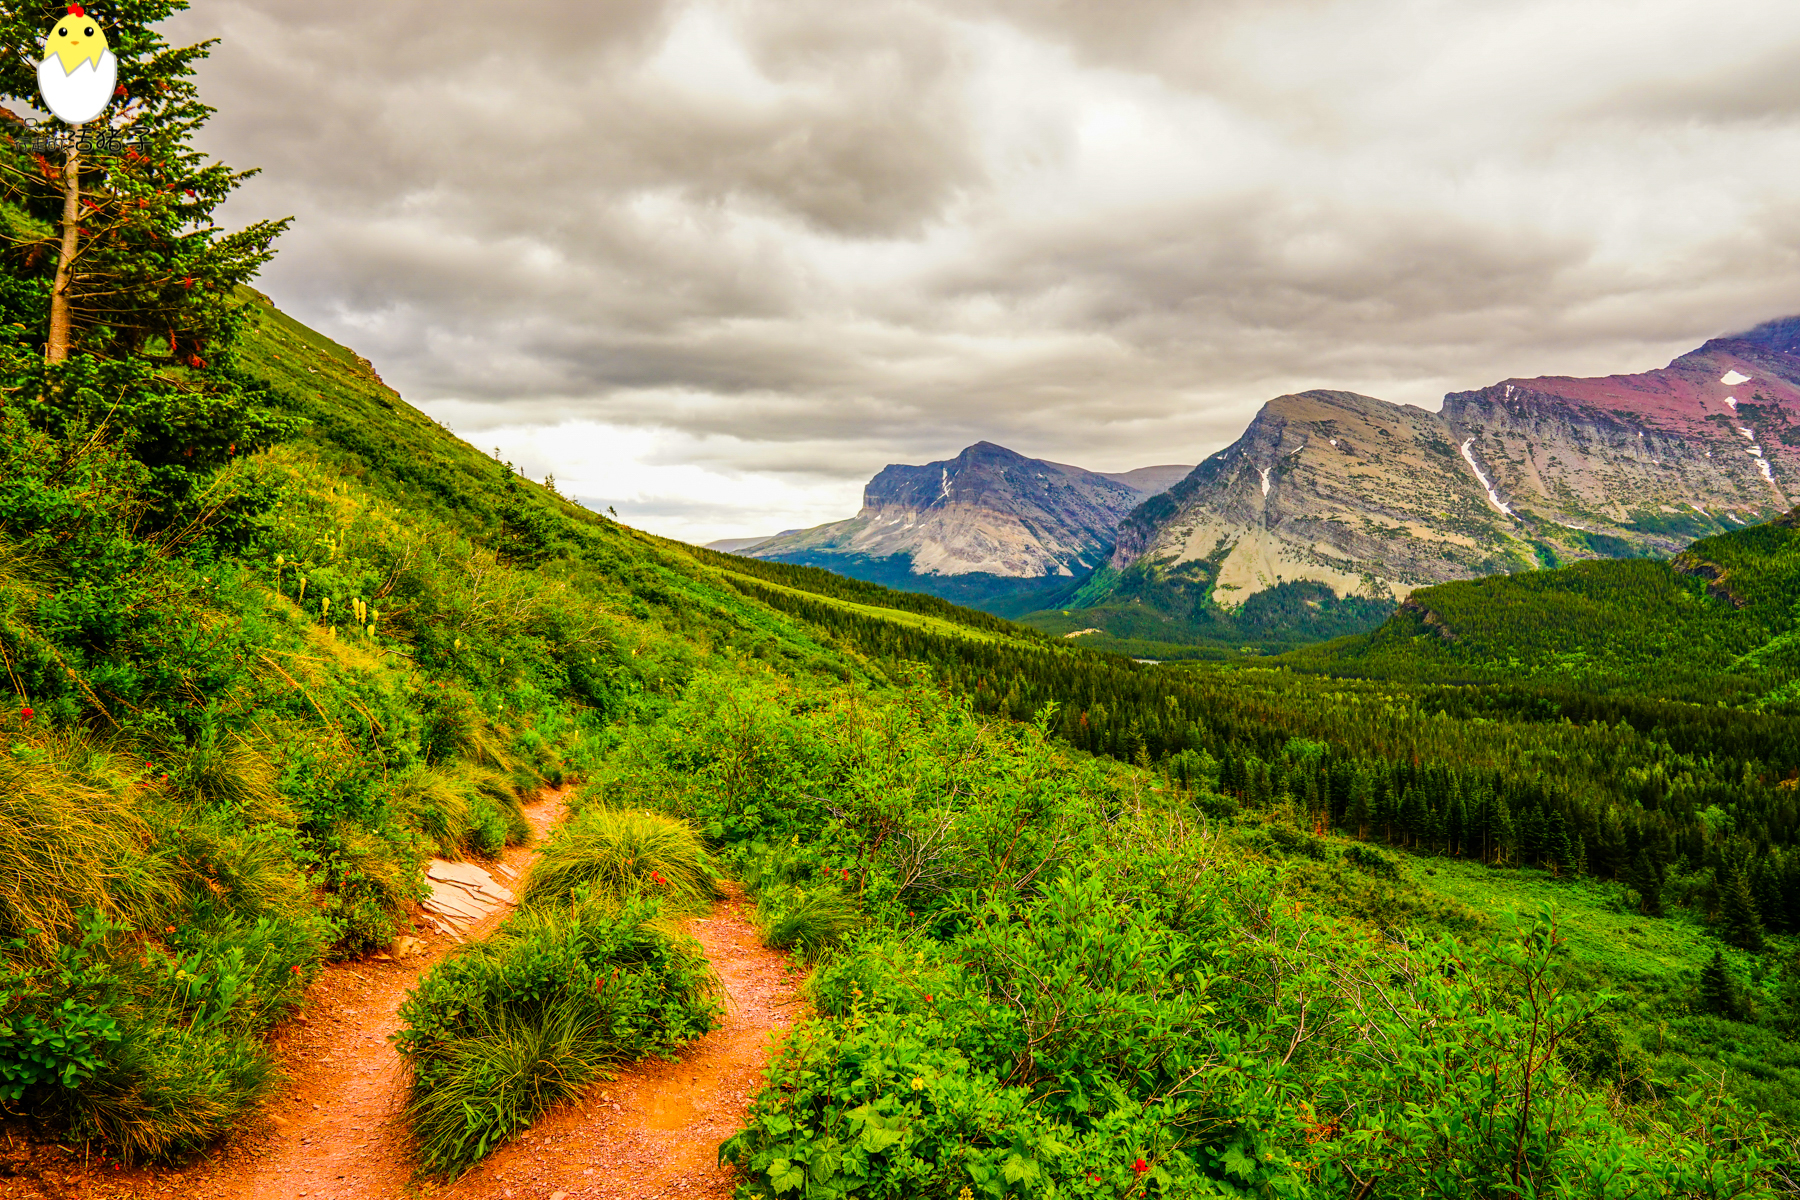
987 511
1374 499
989 523
1368 497
1715 433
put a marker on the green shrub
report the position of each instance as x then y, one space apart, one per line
506 1028
148 1050
622 853
170 1088
367 882
1365 857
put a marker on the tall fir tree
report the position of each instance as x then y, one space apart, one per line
1720 993
1739 922
155 300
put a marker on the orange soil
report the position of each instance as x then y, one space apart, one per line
335 1131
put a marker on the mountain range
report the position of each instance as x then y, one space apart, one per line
1332 507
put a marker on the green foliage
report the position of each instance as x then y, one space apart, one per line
1711 624
150 1044
808 922
622 853
501 1032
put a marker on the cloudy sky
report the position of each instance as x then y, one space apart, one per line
715 262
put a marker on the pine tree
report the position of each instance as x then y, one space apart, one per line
1506 834
1740 924
1359 805
1719 991
153 303
1646 880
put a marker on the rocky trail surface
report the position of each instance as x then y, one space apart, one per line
335 1132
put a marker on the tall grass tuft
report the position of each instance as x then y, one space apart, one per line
807 922
70 839
431 801
222 771
170 1089
621 853
507 1028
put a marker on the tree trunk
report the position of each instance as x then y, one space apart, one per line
56 349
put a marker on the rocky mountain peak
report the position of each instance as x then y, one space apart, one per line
990 510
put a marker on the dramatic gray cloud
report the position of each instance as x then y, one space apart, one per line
717 261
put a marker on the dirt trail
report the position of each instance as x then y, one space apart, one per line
656 1130
335 1132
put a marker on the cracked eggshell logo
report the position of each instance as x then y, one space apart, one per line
78 73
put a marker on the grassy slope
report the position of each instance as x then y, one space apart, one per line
1653 966
1633 625
378 491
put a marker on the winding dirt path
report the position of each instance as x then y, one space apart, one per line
335 1132
655 1131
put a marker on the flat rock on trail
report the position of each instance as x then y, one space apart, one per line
335 1131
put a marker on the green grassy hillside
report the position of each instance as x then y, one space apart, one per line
1719 623
1080 927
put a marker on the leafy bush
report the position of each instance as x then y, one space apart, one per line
1368 858
507 1028
150 1047
622 853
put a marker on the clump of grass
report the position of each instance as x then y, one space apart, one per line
624 852
506 1029
808 922
170 1089
429 801
70 839
474 811
499 1077
226 867
222 771
502 792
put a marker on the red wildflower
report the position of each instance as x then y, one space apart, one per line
1140 1166
928 997
165 778
295 968
846 873
25 713
119 91
187 281
170 929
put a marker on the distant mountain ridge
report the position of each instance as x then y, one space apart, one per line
1333 507
988 523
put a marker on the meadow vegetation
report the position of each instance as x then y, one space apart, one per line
1398 918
